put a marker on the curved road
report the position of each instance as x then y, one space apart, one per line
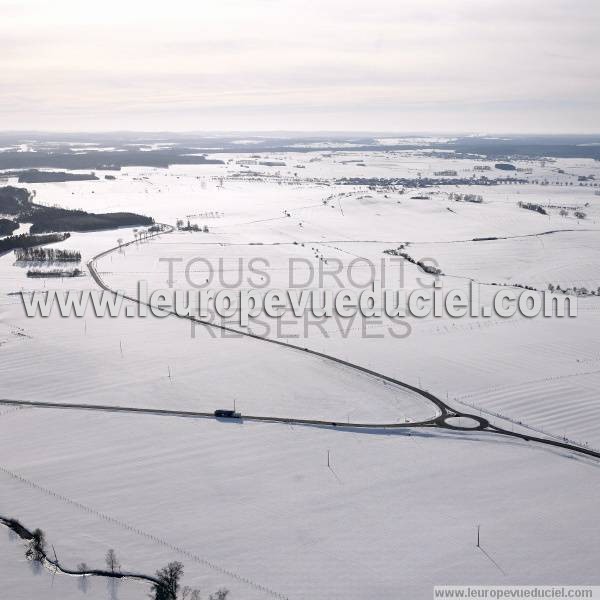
446 417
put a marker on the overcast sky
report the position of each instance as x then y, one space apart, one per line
386 65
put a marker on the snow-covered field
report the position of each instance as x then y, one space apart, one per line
254 507
393 515
24 579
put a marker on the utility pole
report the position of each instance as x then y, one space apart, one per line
478 527
55 565
328 459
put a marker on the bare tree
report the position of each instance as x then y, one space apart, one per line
112 562
83 568
219 594
188 593
167 586
37 546
83 583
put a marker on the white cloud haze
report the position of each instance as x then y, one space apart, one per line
387 65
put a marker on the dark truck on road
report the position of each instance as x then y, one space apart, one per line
225 413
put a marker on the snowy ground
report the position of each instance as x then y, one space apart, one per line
250 505
24 579
394 515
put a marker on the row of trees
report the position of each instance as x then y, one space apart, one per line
181 226
578 214
399 251
47 254
533 206
563 183
26 240
166 584
54 273
475 198
577 291
144 234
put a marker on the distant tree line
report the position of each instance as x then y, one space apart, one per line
419 182
431 269
13 199
26 240
36 176
46 218
475 198
7 226
533 206
181 226
54 273
47 254
123 156
577 291
18 202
